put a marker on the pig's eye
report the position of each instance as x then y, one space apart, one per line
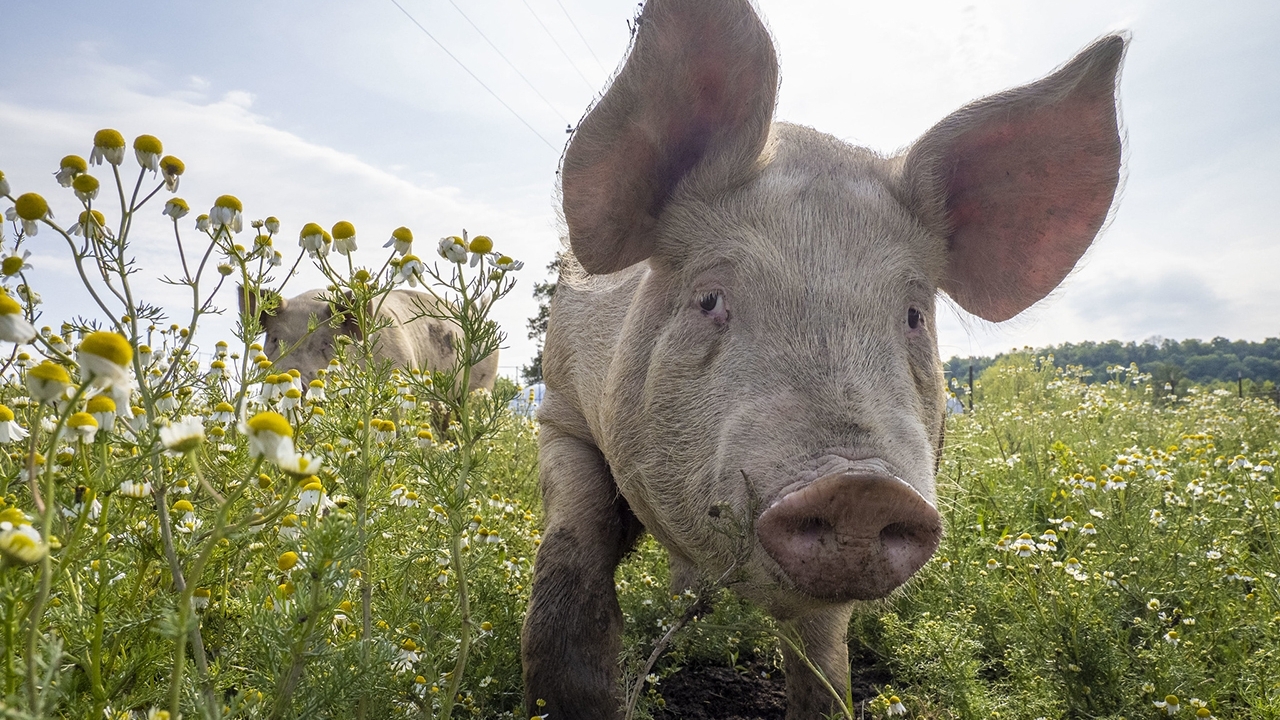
914 319
711 303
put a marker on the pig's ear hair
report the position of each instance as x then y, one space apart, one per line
262 304
696 93
1021 182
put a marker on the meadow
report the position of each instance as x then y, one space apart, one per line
214 538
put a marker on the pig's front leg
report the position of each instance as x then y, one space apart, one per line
822 635
573 631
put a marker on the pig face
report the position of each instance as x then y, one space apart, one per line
814 287
288 325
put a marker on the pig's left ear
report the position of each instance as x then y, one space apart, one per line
261 304
1021 182
696 95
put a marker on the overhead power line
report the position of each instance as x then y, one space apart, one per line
474 77
554 109
582 37
558 46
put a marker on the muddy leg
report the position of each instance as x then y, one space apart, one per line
572 633
822 635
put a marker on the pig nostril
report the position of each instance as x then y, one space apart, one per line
898 535
814 527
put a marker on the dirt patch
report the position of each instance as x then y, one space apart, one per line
715 692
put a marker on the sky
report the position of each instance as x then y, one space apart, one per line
320 110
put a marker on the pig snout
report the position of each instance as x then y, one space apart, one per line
850 536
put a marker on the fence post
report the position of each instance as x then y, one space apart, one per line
971 388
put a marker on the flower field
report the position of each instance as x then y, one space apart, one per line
188 530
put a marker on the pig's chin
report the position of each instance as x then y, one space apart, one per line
849 530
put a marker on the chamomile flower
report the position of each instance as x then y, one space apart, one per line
407 657
200 598
10 430
289 527
311 495
401 239
479 246
86 187
147 149
895 707
311 239
20 543
134 489
425 438
176 208
13 326
202 223
108 145
184 435
300 465
30 209
91 224
171 168
83 425
504 263
103 409
315 390
227 211
291 399
410 270
224 412
453 249
14 265
4 185
48 381
1170 704
344 237
106 358
270 436
69 168
272 224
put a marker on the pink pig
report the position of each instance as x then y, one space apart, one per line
714 250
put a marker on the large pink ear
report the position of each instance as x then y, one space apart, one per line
1021 182
696 93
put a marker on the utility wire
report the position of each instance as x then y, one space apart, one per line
473 76
558 46
581 37
554 109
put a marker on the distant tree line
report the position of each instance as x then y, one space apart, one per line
1169 361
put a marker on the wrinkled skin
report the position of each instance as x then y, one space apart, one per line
410 341
715 250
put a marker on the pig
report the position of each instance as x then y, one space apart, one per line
410 341
713 250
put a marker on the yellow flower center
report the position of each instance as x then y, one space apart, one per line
148 144
230 202
74 162
100 404
50 372
403 234
481 244
313 485
408 259
171 165
9 306
287 561
409 645
85 184
6 415
183 506
202 593
109 345
108 138
310 229
179 203
31 206
270 422
343 230
81 419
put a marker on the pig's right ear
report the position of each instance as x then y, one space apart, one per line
697 94
262 304
1019 183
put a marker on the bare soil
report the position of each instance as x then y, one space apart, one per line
753 692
